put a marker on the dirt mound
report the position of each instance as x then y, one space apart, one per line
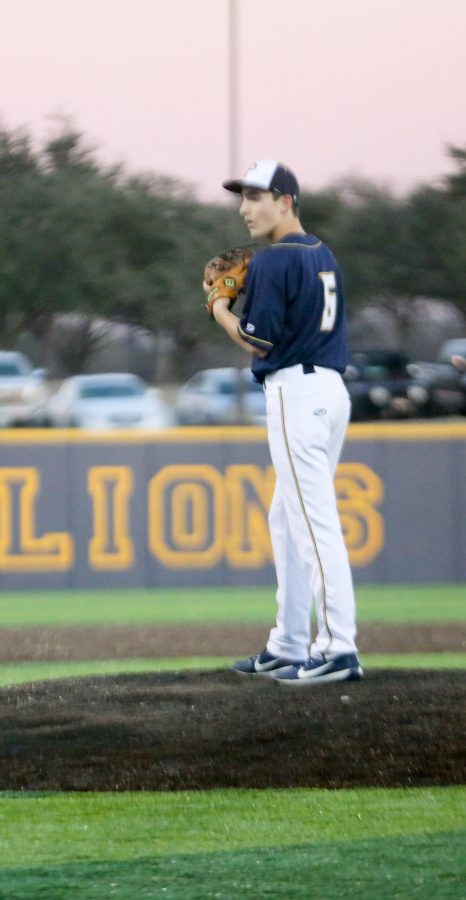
212 729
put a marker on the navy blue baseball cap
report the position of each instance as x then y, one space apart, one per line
267 175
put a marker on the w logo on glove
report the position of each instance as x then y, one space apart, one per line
226 274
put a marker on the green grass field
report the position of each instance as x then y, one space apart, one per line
187 845
382 603
25 672
371 843
376 603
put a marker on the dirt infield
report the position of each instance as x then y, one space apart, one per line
212 729
117 642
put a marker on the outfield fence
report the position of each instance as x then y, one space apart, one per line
189 506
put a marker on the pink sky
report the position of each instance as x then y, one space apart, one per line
374 88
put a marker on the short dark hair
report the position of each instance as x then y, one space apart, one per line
294 202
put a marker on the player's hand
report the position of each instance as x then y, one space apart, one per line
459 362
225 276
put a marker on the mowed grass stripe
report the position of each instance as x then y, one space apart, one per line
66 827
375 603
26 672
405 867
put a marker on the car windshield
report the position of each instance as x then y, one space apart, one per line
241 383
102 391
8 370
226 387
226 384
213 385
377 366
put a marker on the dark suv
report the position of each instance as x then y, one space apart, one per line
447 384
382 385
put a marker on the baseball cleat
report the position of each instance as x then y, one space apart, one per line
263 664
318 670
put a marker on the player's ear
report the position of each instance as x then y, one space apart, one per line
287 202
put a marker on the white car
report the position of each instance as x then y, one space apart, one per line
224 396
23 394
117 400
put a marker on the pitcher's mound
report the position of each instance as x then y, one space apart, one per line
213 729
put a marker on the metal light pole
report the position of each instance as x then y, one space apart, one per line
233 89
233 155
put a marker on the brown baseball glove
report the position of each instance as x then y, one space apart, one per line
225 274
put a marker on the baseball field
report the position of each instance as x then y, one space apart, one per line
134 763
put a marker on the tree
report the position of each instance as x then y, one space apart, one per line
16 154
82 238
456 182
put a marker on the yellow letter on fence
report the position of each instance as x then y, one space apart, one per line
21 550
187 516
111 546
248 544
359 490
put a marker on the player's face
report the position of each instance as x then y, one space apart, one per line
262 213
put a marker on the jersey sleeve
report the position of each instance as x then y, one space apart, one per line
263 316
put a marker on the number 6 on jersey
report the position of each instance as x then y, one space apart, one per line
330 300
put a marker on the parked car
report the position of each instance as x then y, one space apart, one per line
382 386
223 396
117 400
453 347
447 387
23 393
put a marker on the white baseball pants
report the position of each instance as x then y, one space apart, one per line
307 418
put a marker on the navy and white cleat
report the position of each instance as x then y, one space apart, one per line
263 664
318 670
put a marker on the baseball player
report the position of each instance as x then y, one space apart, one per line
293 326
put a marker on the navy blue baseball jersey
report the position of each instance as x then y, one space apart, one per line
294 306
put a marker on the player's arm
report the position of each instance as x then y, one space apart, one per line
230 323
222 291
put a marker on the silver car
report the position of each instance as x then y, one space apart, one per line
117 400
23 394
224 396
453 347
